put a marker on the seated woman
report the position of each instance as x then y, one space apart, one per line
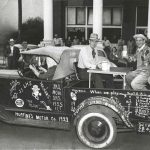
43 73
113 55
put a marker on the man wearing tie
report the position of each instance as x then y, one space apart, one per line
13 54
88 59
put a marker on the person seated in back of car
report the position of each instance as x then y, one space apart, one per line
24 48
24 69
43 73
107 47
114 56
88 59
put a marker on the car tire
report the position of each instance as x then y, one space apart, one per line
96 129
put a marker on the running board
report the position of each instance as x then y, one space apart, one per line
125 130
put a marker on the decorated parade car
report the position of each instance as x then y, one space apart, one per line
66 102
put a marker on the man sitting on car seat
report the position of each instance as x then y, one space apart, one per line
88 60
43 73
138 78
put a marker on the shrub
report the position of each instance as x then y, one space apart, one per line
32 30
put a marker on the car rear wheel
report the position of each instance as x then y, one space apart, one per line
96 129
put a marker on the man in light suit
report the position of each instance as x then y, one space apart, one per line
138 78
12 54
88 59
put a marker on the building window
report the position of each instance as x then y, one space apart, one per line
141 22
90 15
71 15
80 15
112 16
76 16
113 34
107 16
79 32
117 16
80 21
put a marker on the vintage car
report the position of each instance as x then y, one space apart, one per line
99 48
66 102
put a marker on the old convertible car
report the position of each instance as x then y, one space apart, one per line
66 101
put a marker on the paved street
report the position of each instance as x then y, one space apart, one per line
21 138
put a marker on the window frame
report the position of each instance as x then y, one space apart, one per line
88 26
76 17
139 27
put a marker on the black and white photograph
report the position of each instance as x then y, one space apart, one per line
74 74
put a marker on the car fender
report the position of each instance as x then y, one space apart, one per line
111 104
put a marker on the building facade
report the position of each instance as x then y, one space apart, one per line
120 18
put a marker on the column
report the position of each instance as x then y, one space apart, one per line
48 22
98 17
148 28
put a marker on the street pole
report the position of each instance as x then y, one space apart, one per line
19 19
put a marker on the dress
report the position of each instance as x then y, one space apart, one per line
86 61
137 79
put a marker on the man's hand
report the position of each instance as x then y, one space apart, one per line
93 67
131 58
10 54
99 65
32 67
42 69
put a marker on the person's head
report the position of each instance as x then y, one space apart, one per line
75 37
105 38
114 49
56 36
24 44
11 42
33 60
83 39
93 40
69 38
131 39
140 40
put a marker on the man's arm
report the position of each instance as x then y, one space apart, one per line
35 71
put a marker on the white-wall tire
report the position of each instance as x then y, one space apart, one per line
84 135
